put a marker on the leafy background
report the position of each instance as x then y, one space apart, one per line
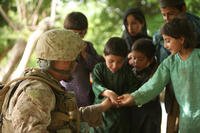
104 16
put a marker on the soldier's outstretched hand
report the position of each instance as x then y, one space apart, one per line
125 100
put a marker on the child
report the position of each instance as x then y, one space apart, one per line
111 79
135 26
146 119
181 68
77 22
169 10
80 84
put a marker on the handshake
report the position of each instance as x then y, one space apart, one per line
113 100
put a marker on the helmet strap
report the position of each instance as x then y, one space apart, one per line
47 65
63 72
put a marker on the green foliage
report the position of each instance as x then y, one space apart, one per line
7 38
193 6
153 23
104 24
32 62
104 16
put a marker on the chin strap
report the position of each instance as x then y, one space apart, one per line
48 65
62 72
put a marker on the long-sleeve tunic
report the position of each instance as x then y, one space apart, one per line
184 76
115 120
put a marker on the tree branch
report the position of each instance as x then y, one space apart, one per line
14 57
34 16
4 15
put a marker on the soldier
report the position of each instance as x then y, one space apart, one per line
41 105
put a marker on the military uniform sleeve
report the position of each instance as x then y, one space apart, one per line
91 114
32 108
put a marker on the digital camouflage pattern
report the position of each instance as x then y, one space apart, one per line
36 106
51 45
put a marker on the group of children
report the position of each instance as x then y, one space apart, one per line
123 76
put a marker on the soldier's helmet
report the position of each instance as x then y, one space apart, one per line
170 3
59 45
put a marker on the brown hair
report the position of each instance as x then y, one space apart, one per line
180 27
76 21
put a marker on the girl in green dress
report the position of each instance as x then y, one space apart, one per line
182 69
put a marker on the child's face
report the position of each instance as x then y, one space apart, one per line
138 60
174 45
133 25
113 62
169 13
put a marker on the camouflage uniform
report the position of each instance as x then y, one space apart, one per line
35 107
161 52
29 108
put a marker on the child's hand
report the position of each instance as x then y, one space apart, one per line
130 55
106 104
111 95
125 100
130 59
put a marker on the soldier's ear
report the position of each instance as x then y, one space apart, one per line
43 64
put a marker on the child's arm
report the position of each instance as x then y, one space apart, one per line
93 114
111 95
126 100
150 89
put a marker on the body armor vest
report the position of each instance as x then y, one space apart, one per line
65 117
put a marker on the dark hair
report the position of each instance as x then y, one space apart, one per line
116 46
139 15
145 46
179 7
178 4
180 27
76 21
